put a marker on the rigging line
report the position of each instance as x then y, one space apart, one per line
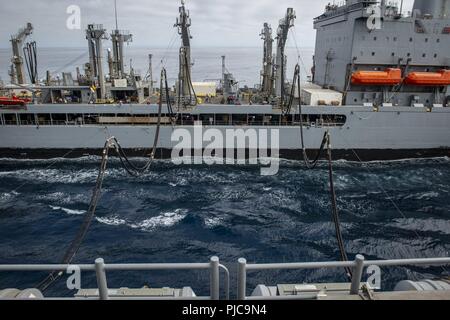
169 47
309 164
192 92
77 242
335 212
70 63
300 58
135 170
388 196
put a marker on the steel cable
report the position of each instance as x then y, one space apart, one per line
111 143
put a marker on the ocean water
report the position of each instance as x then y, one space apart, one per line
188 214
244 63
389 210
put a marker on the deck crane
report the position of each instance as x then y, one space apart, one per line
280 68
17 72
185 90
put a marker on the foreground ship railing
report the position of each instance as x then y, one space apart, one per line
357 266
344 291
100 269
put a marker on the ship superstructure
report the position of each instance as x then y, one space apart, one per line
373 54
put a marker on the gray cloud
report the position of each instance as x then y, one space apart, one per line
215 23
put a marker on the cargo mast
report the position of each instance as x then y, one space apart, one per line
95 34
283 30
119 38
185 92
267 71
18 73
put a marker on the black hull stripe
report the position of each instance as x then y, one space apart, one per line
364 154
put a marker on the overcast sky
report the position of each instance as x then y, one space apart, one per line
214 22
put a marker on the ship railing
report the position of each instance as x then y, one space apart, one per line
357 266
101 268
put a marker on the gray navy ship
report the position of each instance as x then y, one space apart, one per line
380 87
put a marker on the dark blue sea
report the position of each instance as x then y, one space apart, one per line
389 210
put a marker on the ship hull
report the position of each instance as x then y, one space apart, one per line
367 134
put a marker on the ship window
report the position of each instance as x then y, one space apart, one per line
393 54
395 39
59 118
239 119
424 55
75 119
409 54
207 119
373 54
426 39
223 119
375 38
410 39
10 119
435 55
438 40
27 119
44 119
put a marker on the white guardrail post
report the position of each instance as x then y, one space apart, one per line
101 279
357 274
242 279
215 278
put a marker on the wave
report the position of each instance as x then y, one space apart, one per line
213 222
68 211
165 220
8 195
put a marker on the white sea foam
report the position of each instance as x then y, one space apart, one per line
423 196
111 221
8 195
213 222
164 220
68 211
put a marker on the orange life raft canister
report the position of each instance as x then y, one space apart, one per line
441 78
390 77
